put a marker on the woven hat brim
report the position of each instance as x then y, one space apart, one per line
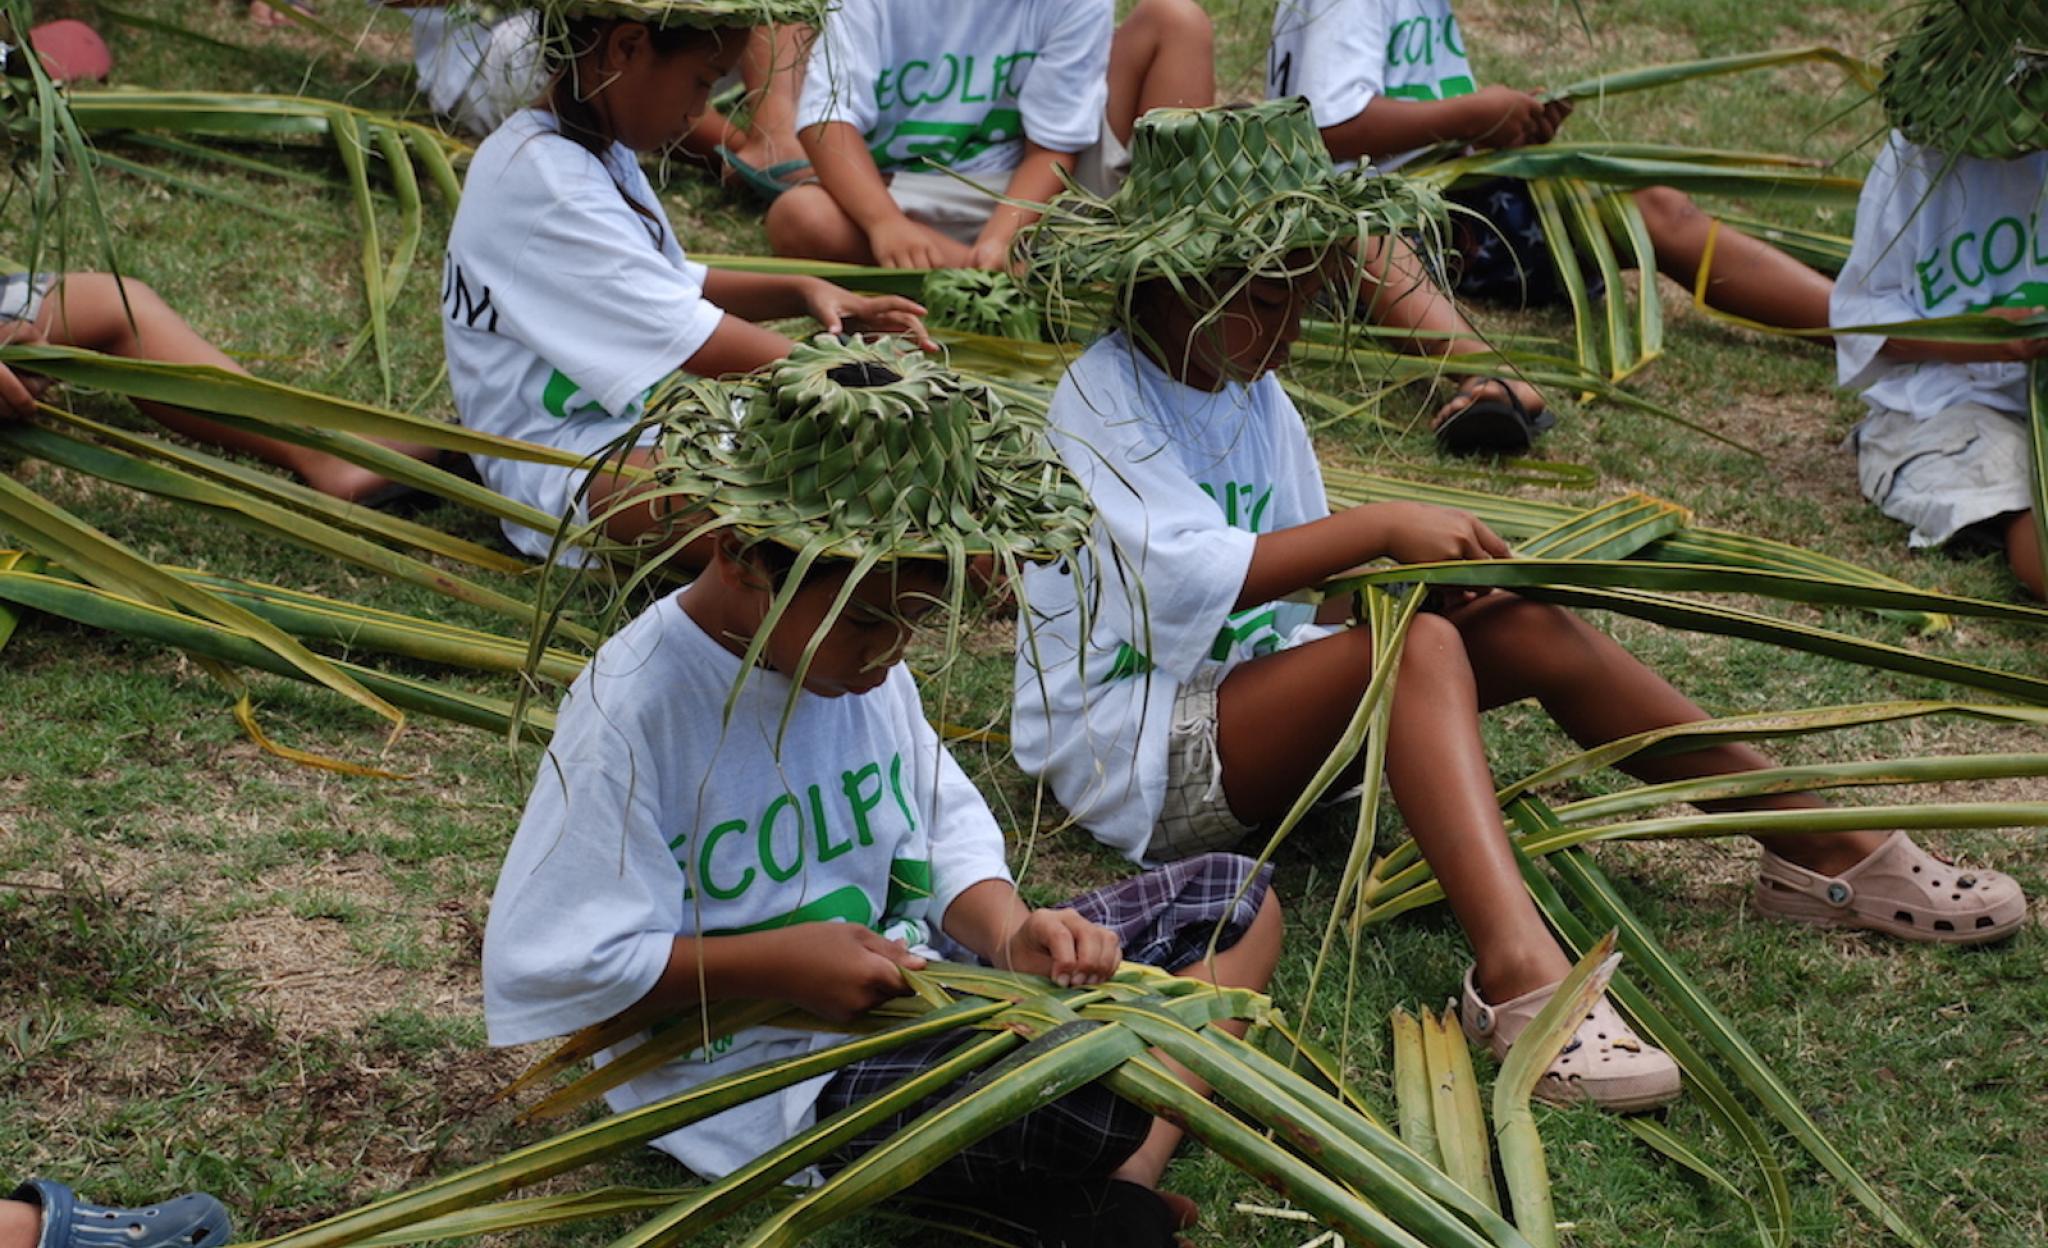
702 14
1114 242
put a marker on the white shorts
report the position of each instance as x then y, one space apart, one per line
1945 473
549 488
958 205
1196 818
22 295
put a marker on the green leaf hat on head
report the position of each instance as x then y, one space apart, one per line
872 452
704 14
1215 190
1971 78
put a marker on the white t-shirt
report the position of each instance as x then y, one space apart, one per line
1933 245
1341 54
562 306
476 70
1184 480
647 821
961 83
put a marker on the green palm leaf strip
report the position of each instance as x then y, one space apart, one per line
1613 530
246 506
1404 1184
132 617
1623 221
1454 1104
1773 1216
107 563
1581 210
1416 1115
1514 1122
1655 77
1633 167
612 1136
1595 892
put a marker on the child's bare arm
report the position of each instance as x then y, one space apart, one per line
1036 180
2017 351
1493 116
992 920
834 970
847 172
766 296
737 346
1308 554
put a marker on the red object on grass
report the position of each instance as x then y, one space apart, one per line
71 50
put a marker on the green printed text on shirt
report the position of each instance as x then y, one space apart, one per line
1420 41
948 79
730 857
1986 266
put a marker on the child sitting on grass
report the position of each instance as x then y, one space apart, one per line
1388 78
121 316
918 113
1953 219
1202 700
566 294
804 842
43 1213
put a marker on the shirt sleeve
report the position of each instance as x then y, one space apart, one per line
839 83
966 843
563 283
1067 90
587 908
1166 532
1875 285
1333 53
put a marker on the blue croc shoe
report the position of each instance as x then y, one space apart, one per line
194 1220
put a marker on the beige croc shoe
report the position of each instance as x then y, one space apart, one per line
1901 890
1605 1062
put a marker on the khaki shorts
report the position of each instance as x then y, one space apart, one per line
958 205
1946 474
1196 817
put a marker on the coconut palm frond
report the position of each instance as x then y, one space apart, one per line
362 139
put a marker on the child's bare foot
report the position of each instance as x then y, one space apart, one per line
264 15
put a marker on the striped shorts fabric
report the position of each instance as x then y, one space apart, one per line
1165 918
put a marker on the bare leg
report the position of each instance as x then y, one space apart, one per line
86 310
1748 277
633 524
1597 691
773 69
806 221
1436 765
1247 964
1164 56
2023 551
1401 294
21 1224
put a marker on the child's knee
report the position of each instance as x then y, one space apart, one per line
1432 641
1667 211
807 221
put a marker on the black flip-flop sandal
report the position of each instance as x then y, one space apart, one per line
1491 424
194 1220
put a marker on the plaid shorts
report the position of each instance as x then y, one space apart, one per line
1165 919
1195 817
22 295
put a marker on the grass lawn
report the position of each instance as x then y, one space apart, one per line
224 971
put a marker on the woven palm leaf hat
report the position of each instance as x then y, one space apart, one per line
868 452
1971 78
702 14
1215 191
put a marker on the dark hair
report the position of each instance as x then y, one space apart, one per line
776 560
575 117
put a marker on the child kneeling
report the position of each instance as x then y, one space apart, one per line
810 840
1185 700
